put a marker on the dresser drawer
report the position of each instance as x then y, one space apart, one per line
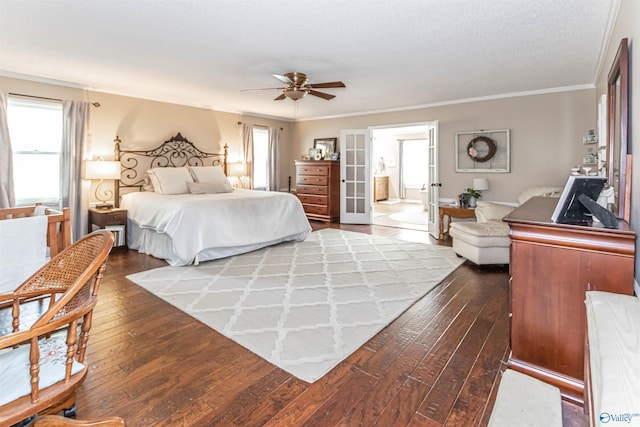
313 170
115 218
316 209
312 199
311 180
320 190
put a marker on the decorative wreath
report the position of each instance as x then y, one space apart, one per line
474 154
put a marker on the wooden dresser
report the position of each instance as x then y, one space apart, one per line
318 188
552 266
380 187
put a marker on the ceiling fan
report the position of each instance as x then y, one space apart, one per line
298 86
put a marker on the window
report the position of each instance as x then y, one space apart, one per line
35 128
260 158
415 158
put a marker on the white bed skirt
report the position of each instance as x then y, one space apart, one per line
159 245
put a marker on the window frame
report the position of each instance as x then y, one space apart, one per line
18 148
263 134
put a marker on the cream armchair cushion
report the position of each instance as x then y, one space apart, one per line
539 191
487 211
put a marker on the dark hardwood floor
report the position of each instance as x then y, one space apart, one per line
437 364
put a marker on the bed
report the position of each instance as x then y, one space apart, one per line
181 208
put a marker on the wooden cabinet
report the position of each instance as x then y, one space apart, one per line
114 220
318 188
380 187
552 266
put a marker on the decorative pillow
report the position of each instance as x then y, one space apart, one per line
170 180
209 187
213 174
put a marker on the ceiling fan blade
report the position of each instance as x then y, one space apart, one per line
326 96
284 79
262 88
281 97
326 85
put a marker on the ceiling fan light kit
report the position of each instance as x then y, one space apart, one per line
298 87
294 93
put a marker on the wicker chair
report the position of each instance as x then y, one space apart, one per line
56 421
44 331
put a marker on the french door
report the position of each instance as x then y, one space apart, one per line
355 177
434 181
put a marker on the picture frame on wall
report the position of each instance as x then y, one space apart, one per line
483 151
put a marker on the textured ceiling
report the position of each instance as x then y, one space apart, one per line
391 54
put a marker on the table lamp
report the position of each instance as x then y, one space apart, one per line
238 170
480 184
102 169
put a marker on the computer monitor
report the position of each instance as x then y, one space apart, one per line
571 211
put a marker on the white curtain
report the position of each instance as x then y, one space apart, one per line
74 194
247 148
7 194
274 142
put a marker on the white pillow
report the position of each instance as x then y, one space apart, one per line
213 174
208 187
207 173
170 180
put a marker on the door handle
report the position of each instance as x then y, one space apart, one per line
436 184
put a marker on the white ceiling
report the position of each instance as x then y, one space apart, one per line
391 54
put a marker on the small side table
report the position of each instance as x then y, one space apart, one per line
453 212
114 220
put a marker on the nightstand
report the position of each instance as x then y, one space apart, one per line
114 220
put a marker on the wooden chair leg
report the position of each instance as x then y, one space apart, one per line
67 407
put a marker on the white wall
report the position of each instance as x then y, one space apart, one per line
546 137
143 124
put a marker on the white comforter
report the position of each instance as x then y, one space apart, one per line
243 219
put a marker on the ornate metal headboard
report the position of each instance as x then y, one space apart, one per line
175 152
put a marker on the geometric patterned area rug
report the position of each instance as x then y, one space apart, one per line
305 306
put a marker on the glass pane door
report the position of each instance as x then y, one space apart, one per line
355 182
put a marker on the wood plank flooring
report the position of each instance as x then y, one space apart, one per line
436 365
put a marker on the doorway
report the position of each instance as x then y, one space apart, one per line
400 176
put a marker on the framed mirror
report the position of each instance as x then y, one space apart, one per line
617 132
326 146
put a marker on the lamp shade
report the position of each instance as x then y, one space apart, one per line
101 169
480 184
237 169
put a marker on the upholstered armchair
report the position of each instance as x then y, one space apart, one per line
487 240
